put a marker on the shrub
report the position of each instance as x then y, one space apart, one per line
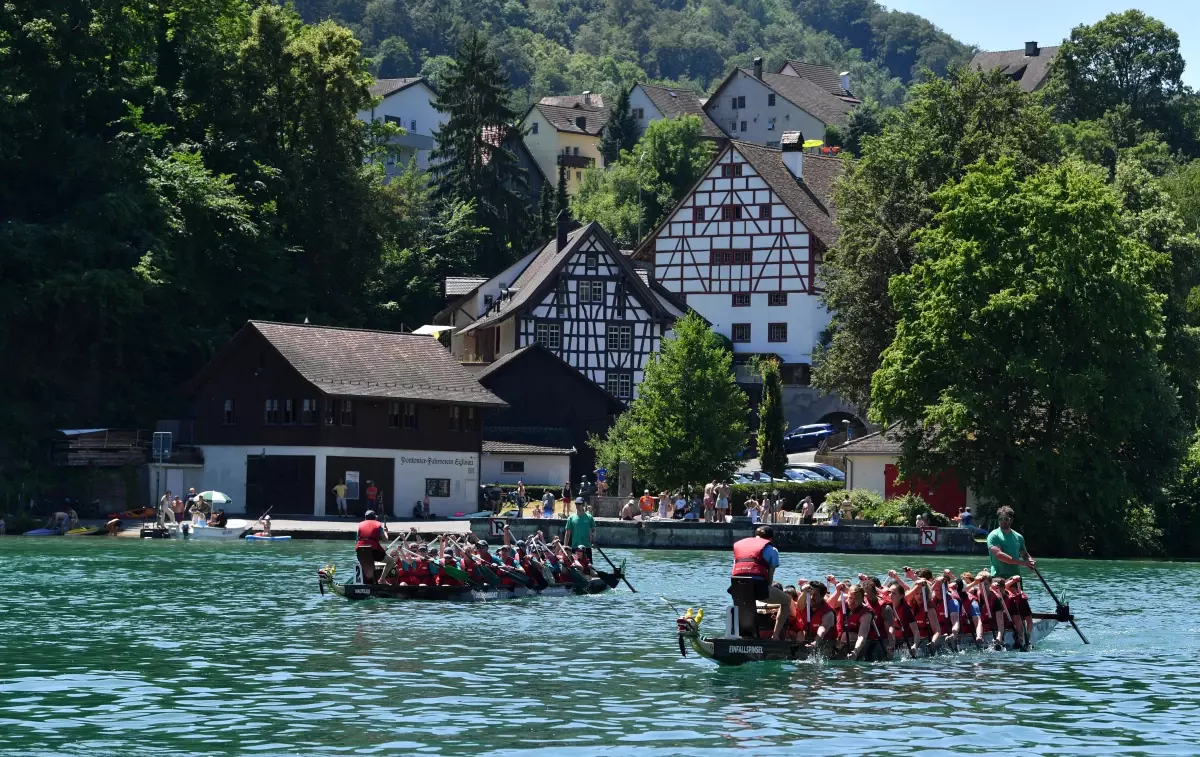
900 511
791 491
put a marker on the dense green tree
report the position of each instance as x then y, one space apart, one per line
864 121
546 203
470 163
633 195
562 200
889 194
1026 353
772 425
1124 60
688 422
621 131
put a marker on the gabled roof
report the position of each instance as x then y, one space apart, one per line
824 77
673 102
538 276
385 87
363 363
1029 71
520 448
589 100
563 119
528 440
514 359
457 286
810 200
883 442
812 98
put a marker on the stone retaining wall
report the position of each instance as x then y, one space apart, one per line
679 535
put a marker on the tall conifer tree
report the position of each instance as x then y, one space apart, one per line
469 160
546 202
620 133
772 457
561 200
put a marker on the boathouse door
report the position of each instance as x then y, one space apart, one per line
284 482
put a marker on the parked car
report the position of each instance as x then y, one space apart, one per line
806 437
758 477
799 474
741 478
827 472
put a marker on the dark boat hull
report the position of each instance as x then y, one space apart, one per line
354 591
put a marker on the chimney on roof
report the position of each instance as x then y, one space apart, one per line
1032 50
587 97
758 68
791 146
845 77
561 226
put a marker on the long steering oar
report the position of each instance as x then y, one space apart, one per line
1059 604
616 570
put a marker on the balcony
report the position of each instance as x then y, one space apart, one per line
575 161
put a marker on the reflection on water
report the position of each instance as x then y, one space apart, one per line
114 647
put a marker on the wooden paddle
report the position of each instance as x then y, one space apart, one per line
1059 605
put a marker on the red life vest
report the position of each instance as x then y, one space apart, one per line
852 618
748 558
369 534
877 629
795 624
921 616
814 614
443 578
421 573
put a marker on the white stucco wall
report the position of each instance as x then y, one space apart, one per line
804 315
225 471
539 469
650 113
413 103
757 114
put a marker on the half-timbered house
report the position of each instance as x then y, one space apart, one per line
578 297
744 246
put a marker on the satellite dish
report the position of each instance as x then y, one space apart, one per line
812 143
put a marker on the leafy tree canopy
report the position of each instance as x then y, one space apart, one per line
1027 352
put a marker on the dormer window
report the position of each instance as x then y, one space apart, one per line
581 122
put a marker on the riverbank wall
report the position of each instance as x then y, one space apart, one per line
787 538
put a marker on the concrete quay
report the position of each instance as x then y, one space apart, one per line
674 534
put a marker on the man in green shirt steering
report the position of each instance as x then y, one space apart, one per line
1006 547
580 527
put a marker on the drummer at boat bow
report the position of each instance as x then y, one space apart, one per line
1006 547
756 559
368 548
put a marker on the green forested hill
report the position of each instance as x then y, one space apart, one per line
560 46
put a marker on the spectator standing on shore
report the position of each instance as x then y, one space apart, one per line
722 502
780 504
372 495
664 501
339 497
807 511
646 504
177 509
548 504
520 494
680 508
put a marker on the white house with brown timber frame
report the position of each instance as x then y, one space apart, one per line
744 246
579 298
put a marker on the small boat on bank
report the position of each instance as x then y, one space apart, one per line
750 641
198 529
45 532
85 531
358 590
256 537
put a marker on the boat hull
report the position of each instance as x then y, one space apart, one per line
234 529
358 591
253 537
737 650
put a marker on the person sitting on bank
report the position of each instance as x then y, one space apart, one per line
756 558
368 548
627 511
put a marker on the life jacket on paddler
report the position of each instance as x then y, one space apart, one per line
748 561
852 618
443 578
921 615
369 534
421 573
877 625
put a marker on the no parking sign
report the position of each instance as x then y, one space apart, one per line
928 537
497 525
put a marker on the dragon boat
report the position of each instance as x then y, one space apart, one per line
750 625
468 592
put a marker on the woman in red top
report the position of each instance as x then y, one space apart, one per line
1018 606
903 628
857 619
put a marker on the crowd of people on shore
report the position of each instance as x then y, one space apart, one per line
913 609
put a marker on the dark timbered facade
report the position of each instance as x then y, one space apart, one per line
582 300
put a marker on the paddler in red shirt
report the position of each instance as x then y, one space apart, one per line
368 548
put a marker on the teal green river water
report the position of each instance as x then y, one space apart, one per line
120 647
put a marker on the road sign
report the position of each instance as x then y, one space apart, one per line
928 537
